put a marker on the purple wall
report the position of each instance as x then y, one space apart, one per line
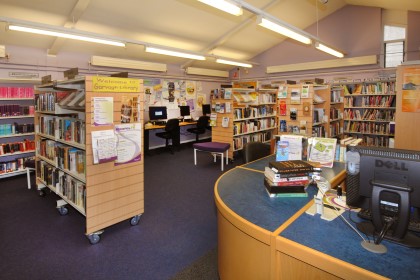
354 29
413 36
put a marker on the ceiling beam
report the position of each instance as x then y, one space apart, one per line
229 33
71 22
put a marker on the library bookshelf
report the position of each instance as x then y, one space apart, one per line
369 111
105 193
250 115
303 109
17 146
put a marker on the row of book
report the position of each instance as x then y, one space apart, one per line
15 128
16 92
370 114
335 129
341 149
239 142
254 125
335 96
14 165
319 131
288 178
14 110
64 184
65 128
368 127
370 101
335 113
46 101
267 98
254 112
20 146
371 88
63 156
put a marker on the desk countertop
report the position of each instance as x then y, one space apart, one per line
242 191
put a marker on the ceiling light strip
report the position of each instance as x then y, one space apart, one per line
236 63
328 50
64 35
281 29
224 5
174 53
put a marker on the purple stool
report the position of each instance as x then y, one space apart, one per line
216 148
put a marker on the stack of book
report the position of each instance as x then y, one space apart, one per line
288 178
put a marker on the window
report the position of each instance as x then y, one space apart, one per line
394 43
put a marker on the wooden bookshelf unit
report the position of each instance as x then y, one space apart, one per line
106 192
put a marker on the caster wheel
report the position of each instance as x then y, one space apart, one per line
94 238
41 193
135 220
63 211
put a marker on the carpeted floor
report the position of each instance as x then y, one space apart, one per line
205 268
176 236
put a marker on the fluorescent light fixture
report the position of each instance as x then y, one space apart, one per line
225 6
281 29
65 35
207 72
328 50
236 63
332 63
127 63
174 53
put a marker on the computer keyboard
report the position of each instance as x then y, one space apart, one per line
413 225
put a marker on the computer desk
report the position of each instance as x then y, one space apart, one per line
176 140
273 238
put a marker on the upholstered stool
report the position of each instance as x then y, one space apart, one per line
216 148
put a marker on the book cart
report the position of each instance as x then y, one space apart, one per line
68 114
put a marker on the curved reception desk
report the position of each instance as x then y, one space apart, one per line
260 237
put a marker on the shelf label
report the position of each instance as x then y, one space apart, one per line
113 84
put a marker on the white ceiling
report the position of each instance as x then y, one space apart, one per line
184 24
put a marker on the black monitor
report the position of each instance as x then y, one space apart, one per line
386 183
184 111
157 113
206 109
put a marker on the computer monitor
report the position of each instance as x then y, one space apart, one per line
157 113
385 181
184 111
206 109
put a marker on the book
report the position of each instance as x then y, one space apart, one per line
213 119
276 177
292 166
282 108
284 189
305 181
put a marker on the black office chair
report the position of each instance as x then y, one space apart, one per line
171 132
202 124
255 150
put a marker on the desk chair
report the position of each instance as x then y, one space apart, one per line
255 150
171 132
202 124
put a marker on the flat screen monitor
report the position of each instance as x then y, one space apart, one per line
184 111
157 113
206 109
386 182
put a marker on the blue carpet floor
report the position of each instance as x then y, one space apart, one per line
178 228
